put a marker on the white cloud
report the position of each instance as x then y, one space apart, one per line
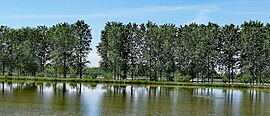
201 17
178 8
113 13
201 12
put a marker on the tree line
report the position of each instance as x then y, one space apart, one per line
61 48
194 51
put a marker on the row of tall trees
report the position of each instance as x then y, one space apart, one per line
28 51
198 51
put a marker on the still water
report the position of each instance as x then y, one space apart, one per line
126 100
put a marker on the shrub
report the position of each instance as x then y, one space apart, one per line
41 74
107 75
72 73
50 72
180 78
245 78
265 78
224 78
92 74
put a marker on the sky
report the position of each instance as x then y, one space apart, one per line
32 13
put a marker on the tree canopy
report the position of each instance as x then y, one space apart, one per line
27 51
196 51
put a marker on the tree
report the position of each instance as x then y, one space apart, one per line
43 47
115 49
102 50
266 54
83 35
189 38
254 52
194 50
63 45
230 51
150 55
4 48
169 35
26 54
12 50
133 45
211 49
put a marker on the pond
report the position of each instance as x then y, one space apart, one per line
103 99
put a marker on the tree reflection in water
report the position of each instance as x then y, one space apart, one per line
104 99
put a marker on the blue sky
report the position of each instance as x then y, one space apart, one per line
22 13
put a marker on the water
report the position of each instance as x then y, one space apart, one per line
102 99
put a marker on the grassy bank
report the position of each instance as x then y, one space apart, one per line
138 82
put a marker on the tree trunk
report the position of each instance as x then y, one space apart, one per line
260 78
212 78
155 75
132 75
232 75
64 68
81 67
56 71
3 70
19 72
132 64
42 65
150 74
160 74
114 70
229 74
208 74
81 74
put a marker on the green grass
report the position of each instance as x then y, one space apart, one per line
136 82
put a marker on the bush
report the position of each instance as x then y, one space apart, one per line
180 78
265 80
93 75
50 72
224 78
245 78
41 74
107 75
72 73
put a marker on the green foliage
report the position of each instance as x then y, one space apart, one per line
158 51
255 48
41 74
72 73
107 75
245 78
82 48
146 50
181 78
28 50
94 72
224 78
230 50
50 72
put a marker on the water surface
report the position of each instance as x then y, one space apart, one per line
102 99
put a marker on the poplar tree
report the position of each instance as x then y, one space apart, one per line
83 39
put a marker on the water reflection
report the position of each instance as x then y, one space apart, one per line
101 99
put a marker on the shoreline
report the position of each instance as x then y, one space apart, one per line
136 82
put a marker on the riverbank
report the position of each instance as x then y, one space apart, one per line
138 82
